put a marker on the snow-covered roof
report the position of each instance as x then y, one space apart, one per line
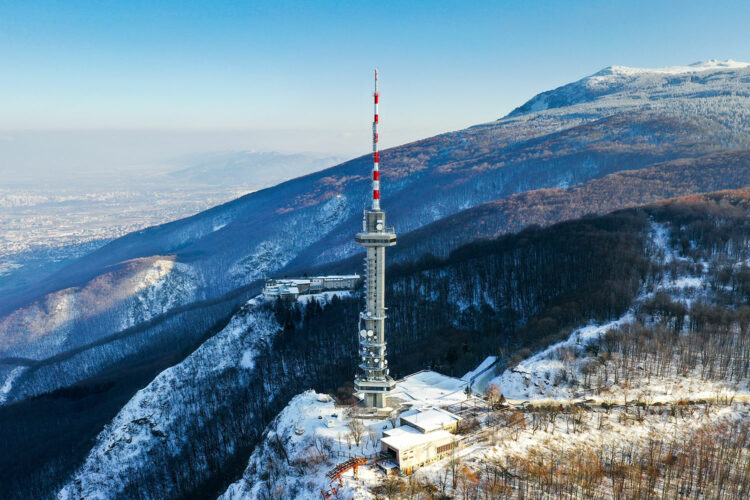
428 388
430 420
404 437
294 281
306 281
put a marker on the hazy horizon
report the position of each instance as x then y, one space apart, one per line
92 88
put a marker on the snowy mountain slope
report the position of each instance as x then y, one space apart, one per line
623 88
541 375
194 417
269 475
603 392
620 118
218 401
726 170
131 293
310 220
106 305
156 424
315 349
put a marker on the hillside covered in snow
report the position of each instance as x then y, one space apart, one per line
654 402
654 346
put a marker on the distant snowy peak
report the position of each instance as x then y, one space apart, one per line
626 87
710 65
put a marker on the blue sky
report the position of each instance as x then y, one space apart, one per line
297 75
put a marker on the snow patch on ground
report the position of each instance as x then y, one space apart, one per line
314 436
8 384
542 375
427 388
248 360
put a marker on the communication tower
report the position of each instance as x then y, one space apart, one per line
373 379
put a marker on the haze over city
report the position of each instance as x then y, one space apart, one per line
92 86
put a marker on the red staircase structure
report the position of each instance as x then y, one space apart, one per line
353 463
335 474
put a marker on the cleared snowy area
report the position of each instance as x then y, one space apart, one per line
539 377
428 388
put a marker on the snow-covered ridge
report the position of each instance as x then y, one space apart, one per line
683 90
711 64
154 422
136 291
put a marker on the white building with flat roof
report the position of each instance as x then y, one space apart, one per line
425 432
413 449
430 420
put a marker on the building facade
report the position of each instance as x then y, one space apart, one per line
413 449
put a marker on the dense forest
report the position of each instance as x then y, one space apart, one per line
686 176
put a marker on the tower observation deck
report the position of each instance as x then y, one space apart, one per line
373 380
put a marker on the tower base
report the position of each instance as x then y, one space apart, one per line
375 400
374 392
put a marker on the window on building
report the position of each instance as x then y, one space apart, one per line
445 448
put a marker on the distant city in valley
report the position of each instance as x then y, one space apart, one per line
45 226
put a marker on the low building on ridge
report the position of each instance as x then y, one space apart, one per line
412 449
291 288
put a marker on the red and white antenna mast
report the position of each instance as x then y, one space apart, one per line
373 380
375 154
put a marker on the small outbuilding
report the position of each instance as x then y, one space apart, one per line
430 420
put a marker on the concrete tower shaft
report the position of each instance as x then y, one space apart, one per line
373 379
